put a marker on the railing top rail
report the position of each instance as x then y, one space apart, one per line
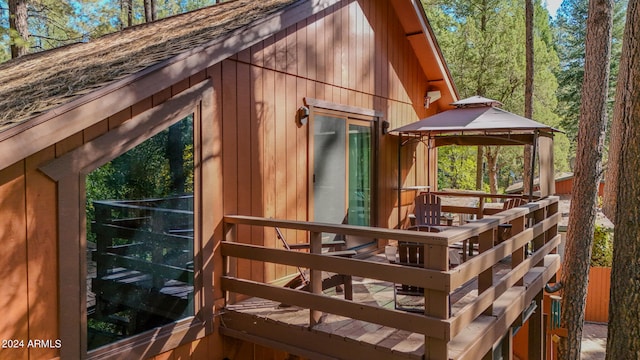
343 229
447 237
115 205
479 194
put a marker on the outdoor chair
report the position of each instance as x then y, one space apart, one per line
412 254
301 282
512 203
504 230
409 254
428 213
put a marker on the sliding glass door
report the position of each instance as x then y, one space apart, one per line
360 166
342 170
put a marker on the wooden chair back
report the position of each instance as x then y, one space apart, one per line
513 202
410 254
427 209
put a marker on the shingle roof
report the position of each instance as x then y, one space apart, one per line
43 81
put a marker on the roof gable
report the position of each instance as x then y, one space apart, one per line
48 96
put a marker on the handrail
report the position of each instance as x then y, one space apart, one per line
342 229
449 236
478 194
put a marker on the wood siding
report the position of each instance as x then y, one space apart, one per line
565 187
353 53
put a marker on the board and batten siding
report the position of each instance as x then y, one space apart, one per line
265 151
354 53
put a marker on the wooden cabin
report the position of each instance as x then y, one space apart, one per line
157 183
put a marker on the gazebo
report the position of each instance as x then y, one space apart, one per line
480 121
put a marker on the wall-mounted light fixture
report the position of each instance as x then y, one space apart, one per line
431 97
385 127
302 116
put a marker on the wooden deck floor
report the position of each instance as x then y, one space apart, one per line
372 340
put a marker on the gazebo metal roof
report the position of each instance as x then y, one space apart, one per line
477 121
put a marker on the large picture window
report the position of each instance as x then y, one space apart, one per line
135 251
140 220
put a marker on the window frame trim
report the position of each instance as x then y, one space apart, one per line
70 170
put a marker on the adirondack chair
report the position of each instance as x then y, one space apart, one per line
513 202
412 254
409 254
428 213
504 230
301 282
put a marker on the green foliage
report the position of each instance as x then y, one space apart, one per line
54 23
483 43
570 38
602 250
456 167
141 173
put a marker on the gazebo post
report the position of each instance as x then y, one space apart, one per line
533 164
428 160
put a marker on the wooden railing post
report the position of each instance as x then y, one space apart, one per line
315 242
536 330
553 231
436 303
518 256
104 237
230 264
539 241
485 278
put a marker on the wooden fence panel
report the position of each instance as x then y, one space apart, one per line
597 309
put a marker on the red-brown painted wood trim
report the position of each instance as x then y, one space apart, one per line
329 105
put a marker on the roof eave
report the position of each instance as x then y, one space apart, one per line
442 63
26 138
423 41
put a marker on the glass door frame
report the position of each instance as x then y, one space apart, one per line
351 116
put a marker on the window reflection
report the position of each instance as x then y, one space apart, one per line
140 237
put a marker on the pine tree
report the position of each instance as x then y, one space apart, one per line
570 28
18 28
483 43
582 213
528 92
623 341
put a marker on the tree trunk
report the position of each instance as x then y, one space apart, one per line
582 213
128 6
623 339
528 92
149 10
610 192
479 162
492 167
175 153
19 28
154 13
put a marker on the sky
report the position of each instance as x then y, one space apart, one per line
552 6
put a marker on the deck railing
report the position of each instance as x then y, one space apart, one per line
534 223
